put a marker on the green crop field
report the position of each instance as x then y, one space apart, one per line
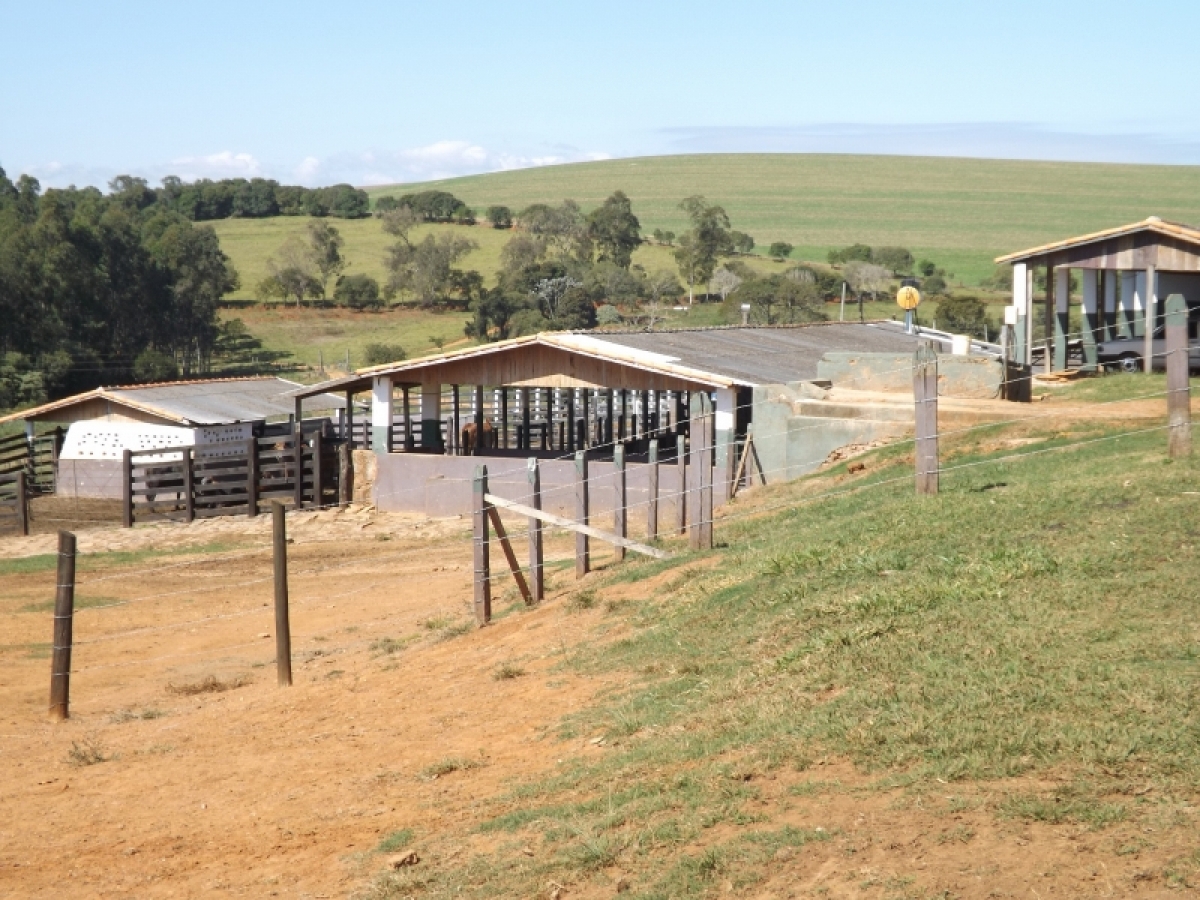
960 212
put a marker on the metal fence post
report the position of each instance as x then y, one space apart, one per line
483 573
64 612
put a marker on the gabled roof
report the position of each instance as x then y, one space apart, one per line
1153 225
713 358
210 401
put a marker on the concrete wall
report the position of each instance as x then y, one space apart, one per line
441 486
795 431
977 377
89 478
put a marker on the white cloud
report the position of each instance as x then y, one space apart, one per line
217 165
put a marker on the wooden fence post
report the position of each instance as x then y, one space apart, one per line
699 519
1179 400
127 488
537 577
477 445
582 563
619 484
64 611
318 472
652 490
455 417
483 571
345 475
187 461
706 475
681 497
410 441
298 459
283 628
22 504
252 477
925 393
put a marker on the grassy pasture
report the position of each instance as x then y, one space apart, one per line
1021 647
960 212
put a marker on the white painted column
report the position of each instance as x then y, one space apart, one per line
1091 307
1125 305
1138 308
381 414
725 416
431 416
1062 306
1151 317
1021 305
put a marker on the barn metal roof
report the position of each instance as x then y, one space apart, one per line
212 401
714 357
1153 224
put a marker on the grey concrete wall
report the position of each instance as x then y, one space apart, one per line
89 478
977 377
791 440
441 486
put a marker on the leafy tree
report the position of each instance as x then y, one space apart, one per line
527 321
780 250
742 242
294 272
664 237
607 314
325 250
855 252
382 354
615 230
865 278
725 282
608 281
562 229
436 206
897 259
708 240
424 269
493 312
358 292
927 267
775 300
934 285
500 216
153 365
551 294
963 315
522 251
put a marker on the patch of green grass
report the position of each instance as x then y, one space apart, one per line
46 562
458 629
448 766
88 751
80 603
130 715
387 646
397 840
507 672
582 600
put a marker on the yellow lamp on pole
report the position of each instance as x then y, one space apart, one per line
908 298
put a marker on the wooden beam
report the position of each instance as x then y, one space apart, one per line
576 527
483 571
583 561
537 573
619 512
511 557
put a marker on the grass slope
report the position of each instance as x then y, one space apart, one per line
1023 644
961 212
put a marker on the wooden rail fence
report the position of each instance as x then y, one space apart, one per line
37 458
14 502
226 480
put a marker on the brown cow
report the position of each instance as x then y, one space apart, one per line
468 437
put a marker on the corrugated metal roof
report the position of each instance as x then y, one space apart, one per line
214 401
718 357
1153 224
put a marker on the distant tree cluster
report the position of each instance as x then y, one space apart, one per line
429 206
240 198
99 289
896 260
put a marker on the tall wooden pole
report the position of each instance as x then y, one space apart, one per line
283 628
22 503
652 490
477 448
345 475
188 461
1179 406
252 477
127 488
582 562
64 612
410 439
456 419
537 575
925 397
1048 360
298 464
681 470
1149 304
482 542
619 485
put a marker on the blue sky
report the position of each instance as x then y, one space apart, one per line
398 91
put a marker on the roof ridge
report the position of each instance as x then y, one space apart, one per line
158 384
781 327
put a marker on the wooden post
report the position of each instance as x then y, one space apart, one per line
127 488
252 477
345 475
1179 406
1149 304
456 419
700 527
571 446
187 460
925 388
503 442
349 419
509 554
652 491
619 485
706 475
483 570
22 504
410 441
64 612
298 458
609 432
318 500
621 415
476 448
1048 360
681 497
582 562
537 576
283 628
526 419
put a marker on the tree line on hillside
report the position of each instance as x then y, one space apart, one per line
102 289
240 198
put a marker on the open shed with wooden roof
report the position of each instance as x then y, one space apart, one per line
1124 274
551 395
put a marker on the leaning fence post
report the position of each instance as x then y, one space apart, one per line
283 628
64 611
22 504
1179 404
483 572
252 477
582 563
925 393
189 485
345 474
537 583
681 497
127 488
652 488
298 461
619 484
